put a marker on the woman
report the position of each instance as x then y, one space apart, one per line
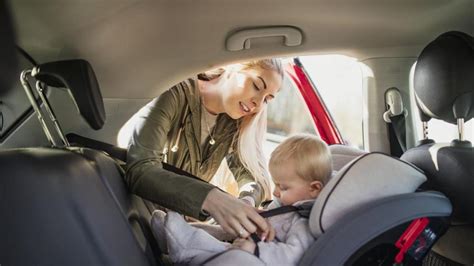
194 126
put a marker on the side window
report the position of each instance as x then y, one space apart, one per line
287 114
14 106
441 131
338 80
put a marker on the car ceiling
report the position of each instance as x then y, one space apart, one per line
138 48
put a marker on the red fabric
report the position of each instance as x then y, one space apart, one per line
319 113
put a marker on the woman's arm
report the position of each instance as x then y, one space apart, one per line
145 174
234 216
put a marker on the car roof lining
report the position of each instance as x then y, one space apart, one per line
138 48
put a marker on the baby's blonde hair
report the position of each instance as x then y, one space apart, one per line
310 154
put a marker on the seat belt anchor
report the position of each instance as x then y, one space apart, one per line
409 237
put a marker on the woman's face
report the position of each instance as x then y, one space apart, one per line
246 91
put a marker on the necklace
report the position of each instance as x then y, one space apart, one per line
212 141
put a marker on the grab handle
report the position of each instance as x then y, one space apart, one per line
240 40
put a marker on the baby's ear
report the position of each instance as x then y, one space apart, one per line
315 188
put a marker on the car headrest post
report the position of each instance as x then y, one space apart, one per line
29 93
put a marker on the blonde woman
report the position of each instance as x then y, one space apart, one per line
194 126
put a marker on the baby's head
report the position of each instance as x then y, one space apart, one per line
300 166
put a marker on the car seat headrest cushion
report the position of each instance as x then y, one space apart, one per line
444 80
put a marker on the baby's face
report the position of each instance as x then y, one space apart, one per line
289 187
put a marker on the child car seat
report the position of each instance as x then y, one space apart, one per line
369 214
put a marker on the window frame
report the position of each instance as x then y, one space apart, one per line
323 121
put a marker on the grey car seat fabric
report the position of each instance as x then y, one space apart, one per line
235 257
353 233
342 155
370 177
444 89
369 200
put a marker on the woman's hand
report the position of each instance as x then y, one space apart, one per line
248 200
269 235
244 244
234 216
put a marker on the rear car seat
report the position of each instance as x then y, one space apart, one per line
56 210
444 90
70 205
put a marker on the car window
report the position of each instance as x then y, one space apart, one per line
441 131
338 80
287 114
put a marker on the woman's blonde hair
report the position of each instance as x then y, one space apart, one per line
310 153
252 128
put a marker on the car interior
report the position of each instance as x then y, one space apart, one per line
75 73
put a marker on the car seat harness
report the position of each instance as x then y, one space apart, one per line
303 210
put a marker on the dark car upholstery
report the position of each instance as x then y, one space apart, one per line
70 205
444 88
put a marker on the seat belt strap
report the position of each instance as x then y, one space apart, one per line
395 116
279 210
303 209
399 128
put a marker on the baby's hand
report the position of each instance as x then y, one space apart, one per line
244 244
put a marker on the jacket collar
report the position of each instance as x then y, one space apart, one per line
193 99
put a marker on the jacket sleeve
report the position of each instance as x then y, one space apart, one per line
248 187
145 175
290 251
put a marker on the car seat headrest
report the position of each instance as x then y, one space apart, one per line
78 77
444 80
370 177
343 154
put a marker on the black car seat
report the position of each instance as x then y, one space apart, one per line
369 214
69 205
444 90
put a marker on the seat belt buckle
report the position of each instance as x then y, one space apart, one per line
409 237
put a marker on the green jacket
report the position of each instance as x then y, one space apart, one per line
175 118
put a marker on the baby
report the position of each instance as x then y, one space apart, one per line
300 166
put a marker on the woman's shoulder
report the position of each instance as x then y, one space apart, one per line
178 93
186 90
182 88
